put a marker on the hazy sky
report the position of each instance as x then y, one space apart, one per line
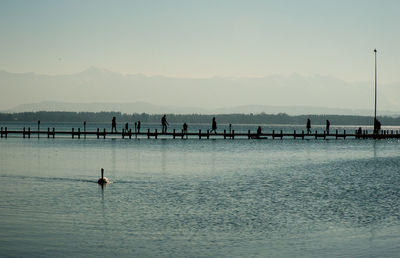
203 38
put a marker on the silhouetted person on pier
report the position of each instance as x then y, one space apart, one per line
113 124
164 124
377 126
126 127
328 124
358 133
185 128
308 126
138 126
214 126
259 132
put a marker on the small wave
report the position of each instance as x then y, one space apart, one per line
48 179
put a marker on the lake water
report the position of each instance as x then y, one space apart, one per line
199 198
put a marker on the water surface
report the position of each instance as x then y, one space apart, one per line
202 198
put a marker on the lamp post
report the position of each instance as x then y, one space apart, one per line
375 121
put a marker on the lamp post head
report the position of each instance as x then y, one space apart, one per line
375 50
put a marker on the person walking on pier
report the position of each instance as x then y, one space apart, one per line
113 124
328 124
377 126
164 124
308 126
185 128
126 127
214 126
259 132
358 133
138 126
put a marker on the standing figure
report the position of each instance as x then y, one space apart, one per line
113 124
164 124
377 126
328 124
259 132
185 128
213 125
138 126
126 127
308 126
358 133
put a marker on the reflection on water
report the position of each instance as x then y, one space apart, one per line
114 146
163 155
199 198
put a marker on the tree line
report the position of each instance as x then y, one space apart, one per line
261 118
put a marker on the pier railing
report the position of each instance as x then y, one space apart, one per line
175 134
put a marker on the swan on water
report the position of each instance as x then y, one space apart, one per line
102 180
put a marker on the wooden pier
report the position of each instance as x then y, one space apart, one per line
174 134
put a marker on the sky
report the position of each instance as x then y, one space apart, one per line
201 39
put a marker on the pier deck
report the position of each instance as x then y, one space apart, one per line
103 133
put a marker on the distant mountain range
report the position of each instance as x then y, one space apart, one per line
142 107
101 90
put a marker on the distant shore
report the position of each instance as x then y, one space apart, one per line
261 118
